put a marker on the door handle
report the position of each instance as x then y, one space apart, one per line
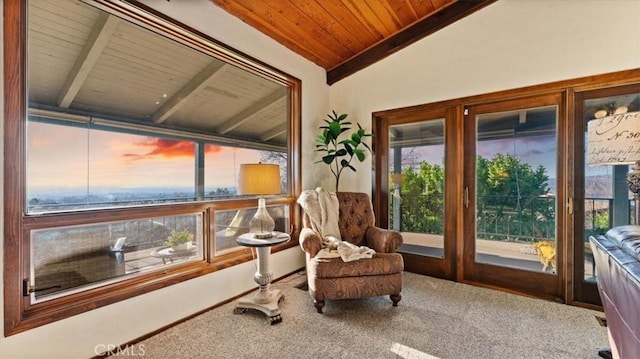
465 200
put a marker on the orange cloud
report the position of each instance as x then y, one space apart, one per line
162 147
212 148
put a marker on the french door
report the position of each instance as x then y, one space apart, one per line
419 188
497 190
473 191
600 194
513 207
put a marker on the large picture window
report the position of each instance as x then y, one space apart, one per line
124 136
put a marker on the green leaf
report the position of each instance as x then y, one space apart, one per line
349 149
344 129
341 152
341 117
356 137
335 129
344 163
328 159
360 155
352 168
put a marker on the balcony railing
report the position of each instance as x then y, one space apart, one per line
530 219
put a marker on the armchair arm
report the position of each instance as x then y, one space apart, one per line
382 240
310 241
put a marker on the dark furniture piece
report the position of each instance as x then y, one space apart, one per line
617 257
332 278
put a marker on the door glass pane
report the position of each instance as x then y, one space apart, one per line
515 189
607 200
416 163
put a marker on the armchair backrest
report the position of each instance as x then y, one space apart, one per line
356 215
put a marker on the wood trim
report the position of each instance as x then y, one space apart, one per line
454 137
569 127
397 42
578 84
15 45
19 314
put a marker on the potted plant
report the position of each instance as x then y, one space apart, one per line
340 145
179 240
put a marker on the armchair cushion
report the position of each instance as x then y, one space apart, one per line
381 263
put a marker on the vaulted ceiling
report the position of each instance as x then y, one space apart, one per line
345 36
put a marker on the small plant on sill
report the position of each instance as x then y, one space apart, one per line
179 239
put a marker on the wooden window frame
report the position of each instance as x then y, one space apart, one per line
19 314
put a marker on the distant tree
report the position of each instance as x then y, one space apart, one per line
422 199
510 198
504 181
509 193
220 192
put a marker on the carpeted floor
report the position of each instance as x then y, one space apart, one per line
434 319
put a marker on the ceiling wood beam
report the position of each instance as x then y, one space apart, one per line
415 32
274 132
196 84
96 42
250 111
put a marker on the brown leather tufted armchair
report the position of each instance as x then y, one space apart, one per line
332 279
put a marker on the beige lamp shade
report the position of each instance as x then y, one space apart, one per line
259 179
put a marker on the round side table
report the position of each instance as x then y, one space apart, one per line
266 300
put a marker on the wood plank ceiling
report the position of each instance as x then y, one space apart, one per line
345 36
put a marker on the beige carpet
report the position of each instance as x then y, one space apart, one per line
434 319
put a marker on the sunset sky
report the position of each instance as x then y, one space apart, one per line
57 157
534 150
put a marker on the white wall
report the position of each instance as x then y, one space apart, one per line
506 45
78 336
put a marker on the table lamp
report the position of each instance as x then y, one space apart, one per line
260 179
615 140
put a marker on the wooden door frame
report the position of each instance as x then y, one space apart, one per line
486 274
584 293
437 267
568 87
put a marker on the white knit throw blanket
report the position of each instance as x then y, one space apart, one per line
322 208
